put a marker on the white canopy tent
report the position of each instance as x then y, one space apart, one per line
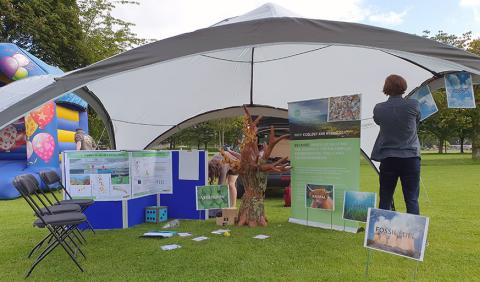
264 59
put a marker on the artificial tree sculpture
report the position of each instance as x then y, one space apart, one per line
253 166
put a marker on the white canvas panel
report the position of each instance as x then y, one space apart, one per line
169 93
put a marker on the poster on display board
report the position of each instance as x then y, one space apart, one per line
427 104
325 149
459 88
356 205
151 172
396 233
320 196
212 197
99 175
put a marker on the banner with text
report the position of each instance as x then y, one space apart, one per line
325 158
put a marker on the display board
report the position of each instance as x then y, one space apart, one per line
459 88
99 175
151 172
424 97
117 175
325 158
397 233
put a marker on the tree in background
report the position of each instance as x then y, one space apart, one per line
474 47
466 121
105 35
442 124
69 34
48 29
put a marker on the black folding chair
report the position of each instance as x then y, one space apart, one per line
52 180
60 225
53 209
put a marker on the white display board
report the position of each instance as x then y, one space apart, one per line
151 172
117 175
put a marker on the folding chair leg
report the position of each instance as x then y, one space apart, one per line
90 227
59 239
81 235
39 244
77 248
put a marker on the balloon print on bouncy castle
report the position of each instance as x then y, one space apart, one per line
43 115
29 149
30 126
43 145
8 138
14 67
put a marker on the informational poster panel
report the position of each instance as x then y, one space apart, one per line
99 175
356 205
396 233
151 172
459 88
212 197
427 104
325 157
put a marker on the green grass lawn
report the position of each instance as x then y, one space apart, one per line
292 253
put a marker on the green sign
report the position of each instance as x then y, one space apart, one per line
212 197
325 158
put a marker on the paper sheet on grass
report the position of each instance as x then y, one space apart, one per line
201 238
163 234
261 237
170 247
220 231
184 234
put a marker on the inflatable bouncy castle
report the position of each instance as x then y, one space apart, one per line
34 143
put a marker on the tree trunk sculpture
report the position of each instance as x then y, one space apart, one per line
253 167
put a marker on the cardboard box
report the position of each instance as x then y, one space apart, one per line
229 217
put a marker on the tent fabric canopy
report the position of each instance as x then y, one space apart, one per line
159 88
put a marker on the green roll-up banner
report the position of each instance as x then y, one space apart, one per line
325 159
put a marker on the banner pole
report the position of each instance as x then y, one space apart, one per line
366 265
425 190
331 220
415 272
307 216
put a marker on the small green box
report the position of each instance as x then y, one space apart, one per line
156 214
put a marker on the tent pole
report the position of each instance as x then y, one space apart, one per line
251 77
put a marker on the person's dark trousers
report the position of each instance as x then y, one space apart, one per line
408 170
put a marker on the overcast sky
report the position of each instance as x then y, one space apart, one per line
158 19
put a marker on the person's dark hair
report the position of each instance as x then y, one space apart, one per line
394 85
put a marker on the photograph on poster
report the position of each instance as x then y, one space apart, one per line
427 104
309 120
80 179
459 90
212 197
344 108
396 233
320 196
356 204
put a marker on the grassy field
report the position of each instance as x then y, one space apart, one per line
292 253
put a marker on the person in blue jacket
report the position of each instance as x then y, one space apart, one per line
397 147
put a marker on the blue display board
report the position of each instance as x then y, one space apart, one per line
129 212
